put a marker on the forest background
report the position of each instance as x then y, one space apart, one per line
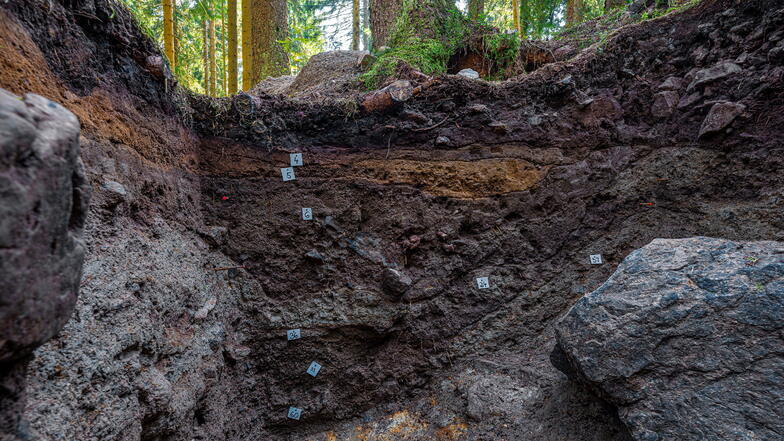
202 45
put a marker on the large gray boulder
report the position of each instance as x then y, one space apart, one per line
686 339
43 202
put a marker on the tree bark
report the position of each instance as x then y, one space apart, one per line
206 55
365 25
383 14
516 15
475 9
247 53
268 26
232 68
223 45
176 32
168 31
355 27
213 66
574 12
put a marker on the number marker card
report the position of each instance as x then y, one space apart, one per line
288 174
314 369
307 214
296 159
482 282
294 413
596 259
293 334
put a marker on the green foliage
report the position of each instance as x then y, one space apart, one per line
425 35
306 37
425 54
502 49
663 8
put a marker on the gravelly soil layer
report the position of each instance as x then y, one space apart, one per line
519 181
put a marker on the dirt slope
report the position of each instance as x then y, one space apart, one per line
519 181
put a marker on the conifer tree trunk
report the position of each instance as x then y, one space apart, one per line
383 14
355 27
206 55
475 9
168 31
574 12
223 45
213 66
268 26
365 25
516 15
176 32
232 68
247 53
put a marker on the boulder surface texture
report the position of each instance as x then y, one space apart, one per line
43 199
686 339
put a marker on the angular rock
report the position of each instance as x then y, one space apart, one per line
671 83
396 282
443 141
714 73
720 116
664 103
469 73
685 338
43 203
113 193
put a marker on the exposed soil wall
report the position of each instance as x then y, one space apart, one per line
518 181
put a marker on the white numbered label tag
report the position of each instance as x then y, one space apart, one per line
294 413
596 259
307 214
296 159
482 282
288 173
293 334
314 369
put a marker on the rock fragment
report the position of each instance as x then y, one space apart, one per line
443 141
685 338
396 282
469 73
714 73
43 204
664 103
719 117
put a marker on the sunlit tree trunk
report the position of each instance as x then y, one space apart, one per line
168 31
206 55
213 65
365 25
247 53
355 27
383 14
574 12
224 82
475 9
176 32
516 15
269 26
232 69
